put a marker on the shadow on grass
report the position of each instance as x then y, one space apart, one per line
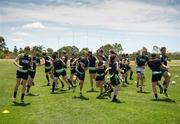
117 102
164 100
90 91
81 97
61 92
20 104
144 92
31 94
45 85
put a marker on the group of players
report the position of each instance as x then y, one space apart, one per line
117 67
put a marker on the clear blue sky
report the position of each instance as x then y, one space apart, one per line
92 23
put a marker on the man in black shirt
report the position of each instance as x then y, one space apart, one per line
155 65
47 65
23 62
32 70
166 74
92 68
141 61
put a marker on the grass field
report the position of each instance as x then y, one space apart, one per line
64 108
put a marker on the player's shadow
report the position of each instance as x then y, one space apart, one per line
60 91
31 94
117 102
143 92
21 104
168 100
81 97
90 91
45 85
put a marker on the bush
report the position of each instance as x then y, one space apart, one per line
2 55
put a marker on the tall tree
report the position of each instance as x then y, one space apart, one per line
83 51
69 50
117 48
49 51
2 43
106 48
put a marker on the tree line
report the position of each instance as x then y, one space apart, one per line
117 47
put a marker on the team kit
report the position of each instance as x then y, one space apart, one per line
109 73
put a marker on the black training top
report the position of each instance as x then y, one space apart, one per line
35 61
164 59
25 61
58 64
83 62
141 60
65 61
155 65
47 59
72 63
113 68
101 68
92 61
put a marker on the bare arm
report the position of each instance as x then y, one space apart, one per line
16 62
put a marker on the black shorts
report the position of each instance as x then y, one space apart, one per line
21 75
92 71
32 73
73 71
156 77
100 78
47 70
80 76
63 73
115 80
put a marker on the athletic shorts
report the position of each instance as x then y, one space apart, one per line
100 78
156 77
73 71
140 70
115 80
81 76
47 70
63 73
32 73
92 71
22 75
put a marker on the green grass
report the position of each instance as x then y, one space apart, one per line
63 108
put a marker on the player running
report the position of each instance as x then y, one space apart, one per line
114 77
141 61
58 70
48 66
155 65
82 65
166 73
100 75
23 62
73 64
32 71
92 68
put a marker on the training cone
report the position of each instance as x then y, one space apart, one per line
5 112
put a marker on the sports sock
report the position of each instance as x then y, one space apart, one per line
22 96
131 74
28 88
47 77
53 86
15 93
